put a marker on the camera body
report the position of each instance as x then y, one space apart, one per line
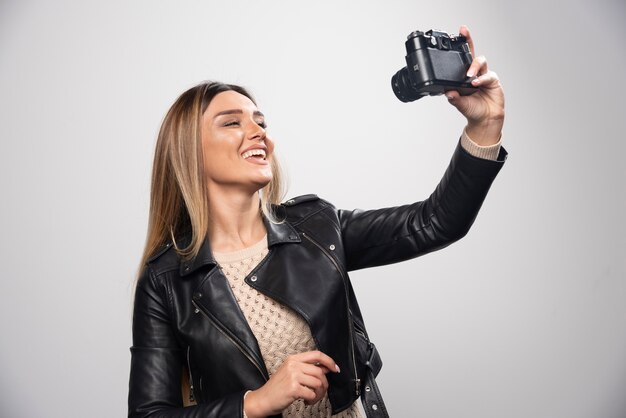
435 63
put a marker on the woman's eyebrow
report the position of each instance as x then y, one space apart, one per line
237 112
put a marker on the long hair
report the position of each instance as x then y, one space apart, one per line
179 196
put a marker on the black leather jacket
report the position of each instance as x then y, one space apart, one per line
185 314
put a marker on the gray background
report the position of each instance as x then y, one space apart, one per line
525 317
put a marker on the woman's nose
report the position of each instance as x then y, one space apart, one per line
256 133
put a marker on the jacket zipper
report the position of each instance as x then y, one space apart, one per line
243 351
357 381
192 398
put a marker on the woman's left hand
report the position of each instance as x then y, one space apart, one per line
484 110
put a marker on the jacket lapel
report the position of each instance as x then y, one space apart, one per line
216 299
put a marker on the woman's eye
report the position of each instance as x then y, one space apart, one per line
262 124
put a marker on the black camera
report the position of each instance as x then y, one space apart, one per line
435 63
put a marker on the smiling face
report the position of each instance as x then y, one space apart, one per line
236 149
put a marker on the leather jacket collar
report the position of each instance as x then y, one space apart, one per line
277 233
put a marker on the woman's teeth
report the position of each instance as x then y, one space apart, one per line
253 152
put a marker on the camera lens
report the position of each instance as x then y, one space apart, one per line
402 87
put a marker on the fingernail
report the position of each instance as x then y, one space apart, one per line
337 367
475 81
470 73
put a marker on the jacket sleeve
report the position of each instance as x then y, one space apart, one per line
157 363
384 236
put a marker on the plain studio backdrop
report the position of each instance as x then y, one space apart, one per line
525 317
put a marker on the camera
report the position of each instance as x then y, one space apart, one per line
435 63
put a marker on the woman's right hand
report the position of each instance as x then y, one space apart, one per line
301 376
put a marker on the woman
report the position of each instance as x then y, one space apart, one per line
247 301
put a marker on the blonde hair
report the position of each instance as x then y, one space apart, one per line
178 197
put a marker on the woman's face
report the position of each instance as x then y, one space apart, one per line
235 147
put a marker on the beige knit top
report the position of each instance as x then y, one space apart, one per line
279 330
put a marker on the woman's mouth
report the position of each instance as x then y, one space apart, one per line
256 155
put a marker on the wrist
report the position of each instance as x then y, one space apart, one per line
251 408
485 133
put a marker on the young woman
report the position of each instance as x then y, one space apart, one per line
246 302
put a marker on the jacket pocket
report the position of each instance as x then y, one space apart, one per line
190 391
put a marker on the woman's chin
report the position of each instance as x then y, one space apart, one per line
261 181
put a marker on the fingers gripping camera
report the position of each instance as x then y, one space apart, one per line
436 62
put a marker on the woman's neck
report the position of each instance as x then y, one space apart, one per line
235 220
